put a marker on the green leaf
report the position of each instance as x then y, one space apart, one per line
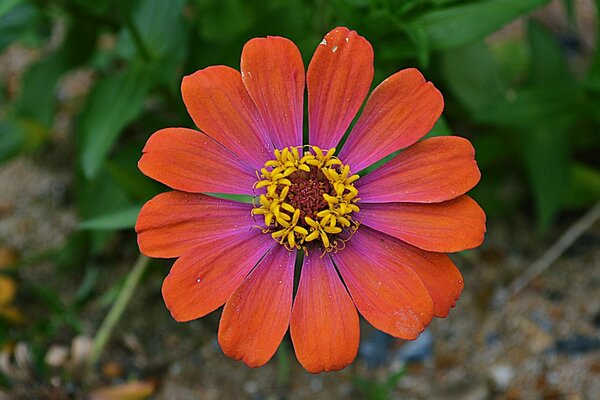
473 77
584 188
528 107
154 30
593 78
548 61
113 103
440 128
8 5
123 219
464 23
17 136
15 20
37 100
545 152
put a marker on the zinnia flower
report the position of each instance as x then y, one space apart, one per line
375 243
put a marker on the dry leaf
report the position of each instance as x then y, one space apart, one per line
134 390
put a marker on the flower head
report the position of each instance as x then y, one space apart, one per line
375 243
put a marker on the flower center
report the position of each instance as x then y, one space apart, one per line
308 197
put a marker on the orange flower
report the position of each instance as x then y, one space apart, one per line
384 234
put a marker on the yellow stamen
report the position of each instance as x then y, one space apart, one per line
285 217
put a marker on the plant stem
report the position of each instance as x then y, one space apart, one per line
117 309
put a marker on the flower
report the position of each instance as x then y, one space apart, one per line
375 243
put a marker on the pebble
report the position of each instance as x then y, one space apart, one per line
577 344
501 376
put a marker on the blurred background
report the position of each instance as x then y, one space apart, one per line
83 84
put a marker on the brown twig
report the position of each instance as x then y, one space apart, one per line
549 257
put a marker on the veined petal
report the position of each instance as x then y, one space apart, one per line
401 110
339 77
434 170
202 279
273 73
173 223
384 286
454 225
188 160
324 326
220 106
257 314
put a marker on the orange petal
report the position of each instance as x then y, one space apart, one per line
454 225
339 77
188 160
384 286
273 73
257 314
324 326
434 170
400 111
220 106
202 279
172 223
438 273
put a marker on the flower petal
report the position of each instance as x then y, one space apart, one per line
188 160
339 77
220 106
434 170
172 223
454 225
257 314
202 279
384 286
273 73
439 275
324 326
400 111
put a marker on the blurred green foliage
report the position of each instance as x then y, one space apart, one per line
533 118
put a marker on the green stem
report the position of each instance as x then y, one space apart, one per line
117 309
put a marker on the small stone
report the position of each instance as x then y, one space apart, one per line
578 344
417 350
501 376
57 356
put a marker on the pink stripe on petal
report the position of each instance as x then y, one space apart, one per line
339 77
257 314
447 227
434 170
385 288
324 326
400 111
202 279
173 223
188 160
273 73
220 106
